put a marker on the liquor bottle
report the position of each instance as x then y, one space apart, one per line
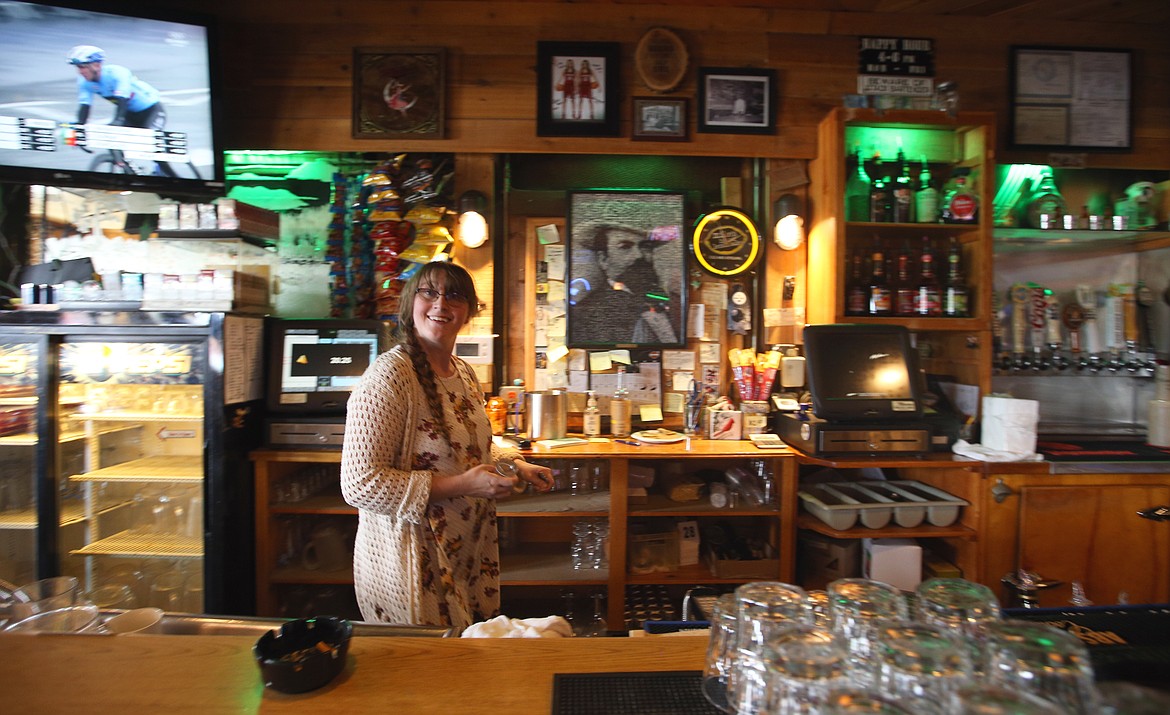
619 406
881 300
960 205
928 301
591 420
857 190
880 209
905 288
955 294
856 289
926 199
1045 199
902 194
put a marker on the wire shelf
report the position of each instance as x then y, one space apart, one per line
131 544
149 469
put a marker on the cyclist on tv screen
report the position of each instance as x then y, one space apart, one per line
136 103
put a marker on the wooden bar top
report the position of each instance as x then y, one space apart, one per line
217 674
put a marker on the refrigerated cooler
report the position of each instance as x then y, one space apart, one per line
123 455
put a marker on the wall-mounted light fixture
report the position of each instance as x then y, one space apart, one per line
472 224
789 230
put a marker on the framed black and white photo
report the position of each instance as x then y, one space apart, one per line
659 119
577 89
1071 98
737 101
626 282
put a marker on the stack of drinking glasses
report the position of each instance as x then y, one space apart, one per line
52 605
862 646
590 547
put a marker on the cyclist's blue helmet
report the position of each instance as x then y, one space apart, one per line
85 54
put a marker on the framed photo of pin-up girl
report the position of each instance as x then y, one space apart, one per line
398 93
737 100
577 89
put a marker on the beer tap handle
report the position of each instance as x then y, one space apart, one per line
1019 296
1145 301
1073 317
1087 298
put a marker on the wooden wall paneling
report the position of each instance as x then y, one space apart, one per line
288 68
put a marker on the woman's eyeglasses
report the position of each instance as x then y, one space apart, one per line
431 295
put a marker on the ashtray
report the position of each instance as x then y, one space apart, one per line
304 654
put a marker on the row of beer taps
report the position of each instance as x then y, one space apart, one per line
1093 331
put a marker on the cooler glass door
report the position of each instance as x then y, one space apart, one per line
132 447
21 460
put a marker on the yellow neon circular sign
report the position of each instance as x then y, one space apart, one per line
725 242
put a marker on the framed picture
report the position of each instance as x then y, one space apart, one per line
737 101
399 93
577 89
659 119
626 277
1071 98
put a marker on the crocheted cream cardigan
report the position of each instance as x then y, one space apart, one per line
391 498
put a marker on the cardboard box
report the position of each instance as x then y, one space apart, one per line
746 569
897 562
822 559
653 553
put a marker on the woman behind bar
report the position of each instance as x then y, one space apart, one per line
417 463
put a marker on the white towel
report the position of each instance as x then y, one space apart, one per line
986 454
504 627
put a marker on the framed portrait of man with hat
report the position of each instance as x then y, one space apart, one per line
626 269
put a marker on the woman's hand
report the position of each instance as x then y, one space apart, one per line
481 481
539 477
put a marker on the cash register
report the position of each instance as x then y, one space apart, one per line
867 394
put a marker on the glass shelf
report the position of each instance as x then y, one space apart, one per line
1009 240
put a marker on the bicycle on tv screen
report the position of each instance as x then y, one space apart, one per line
102 99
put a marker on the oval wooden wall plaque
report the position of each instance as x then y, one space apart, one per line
661 59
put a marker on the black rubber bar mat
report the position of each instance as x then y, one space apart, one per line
676 692
1129 643
1059 450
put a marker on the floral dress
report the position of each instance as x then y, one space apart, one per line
417 562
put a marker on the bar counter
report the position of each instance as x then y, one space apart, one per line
217 674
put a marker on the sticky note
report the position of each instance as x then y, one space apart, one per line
650 413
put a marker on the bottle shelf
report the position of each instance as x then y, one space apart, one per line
553 503
902 227
1010 240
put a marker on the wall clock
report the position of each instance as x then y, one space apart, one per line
725 242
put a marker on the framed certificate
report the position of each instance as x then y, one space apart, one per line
1070 98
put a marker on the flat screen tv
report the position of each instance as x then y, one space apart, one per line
315 363
863 373
148 77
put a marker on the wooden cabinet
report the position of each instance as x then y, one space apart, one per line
298 491
537 529
959 542
1079 528
960 347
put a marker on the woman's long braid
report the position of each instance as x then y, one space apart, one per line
426 378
